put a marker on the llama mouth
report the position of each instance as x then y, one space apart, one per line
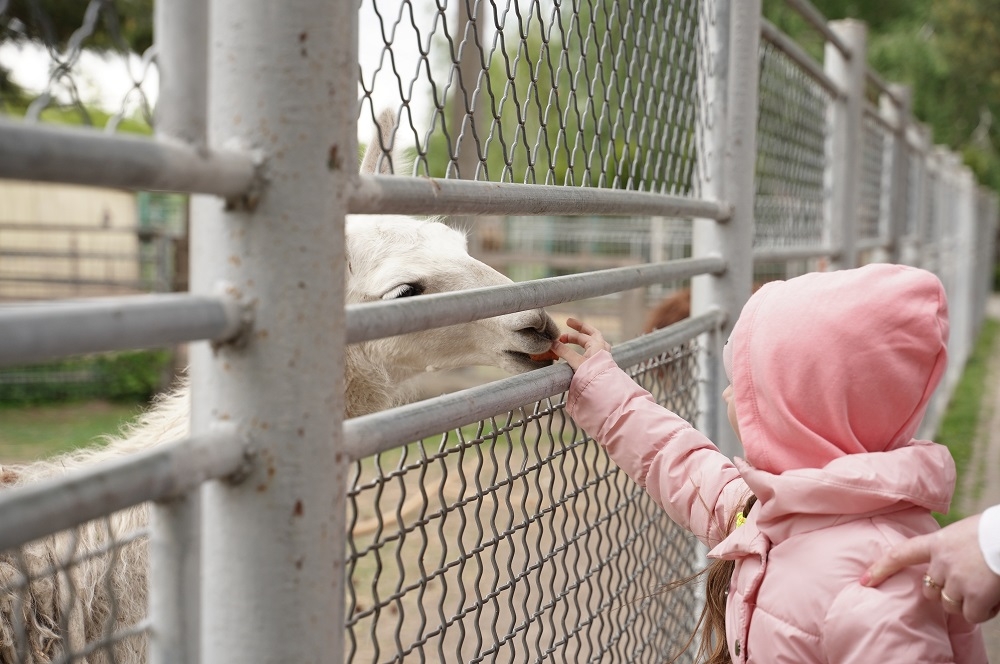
525 362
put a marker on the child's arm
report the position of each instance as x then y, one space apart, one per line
678 466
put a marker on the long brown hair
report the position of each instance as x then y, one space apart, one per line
712 621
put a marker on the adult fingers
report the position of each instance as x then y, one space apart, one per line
952 603
911 552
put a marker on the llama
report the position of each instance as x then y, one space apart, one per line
674 308
388 257
671 309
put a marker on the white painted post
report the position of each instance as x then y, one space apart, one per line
181 34
844 147
284 82
961 309
895 108
725 170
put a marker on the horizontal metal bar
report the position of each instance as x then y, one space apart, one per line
170 470
376 320
130 286
46 227
78 155
798 55
873 111
882 86
816 19
38 331
393 194
69 254
379 432
867 244
776 254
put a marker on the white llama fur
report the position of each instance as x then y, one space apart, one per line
388 256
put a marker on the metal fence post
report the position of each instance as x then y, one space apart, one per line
181 31
727 152
895 107
964 230
284 83
844 142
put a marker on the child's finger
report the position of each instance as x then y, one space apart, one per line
573 358
574 338
586 328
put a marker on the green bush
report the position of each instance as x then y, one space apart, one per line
131 376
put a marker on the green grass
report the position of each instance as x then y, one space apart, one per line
961 419
34 432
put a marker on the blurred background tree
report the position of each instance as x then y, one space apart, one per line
946 51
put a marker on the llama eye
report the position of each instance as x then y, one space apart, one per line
404 290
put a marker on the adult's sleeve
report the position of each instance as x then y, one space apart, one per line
989 537
681 470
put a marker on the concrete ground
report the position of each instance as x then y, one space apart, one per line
982 480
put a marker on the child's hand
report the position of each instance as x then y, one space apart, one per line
586 336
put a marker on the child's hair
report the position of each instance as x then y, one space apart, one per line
712 621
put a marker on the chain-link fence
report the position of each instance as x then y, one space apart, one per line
590 150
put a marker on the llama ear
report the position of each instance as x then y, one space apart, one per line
378 154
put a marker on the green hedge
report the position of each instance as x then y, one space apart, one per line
126 376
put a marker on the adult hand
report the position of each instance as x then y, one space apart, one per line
957 574
584 335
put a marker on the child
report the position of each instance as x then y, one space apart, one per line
830 375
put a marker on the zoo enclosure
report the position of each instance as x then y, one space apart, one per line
480 525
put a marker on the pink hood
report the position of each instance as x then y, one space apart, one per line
836 363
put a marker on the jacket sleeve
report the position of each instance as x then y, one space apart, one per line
681 470
895 623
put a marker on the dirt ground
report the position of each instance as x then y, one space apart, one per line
982 481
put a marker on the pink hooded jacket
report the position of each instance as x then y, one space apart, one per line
832 373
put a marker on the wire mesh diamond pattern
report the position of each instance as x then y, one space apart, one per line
598 94
515 539
79 595
87 63
874 168
792 130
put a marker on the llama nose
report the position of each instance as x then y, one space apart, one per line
541 323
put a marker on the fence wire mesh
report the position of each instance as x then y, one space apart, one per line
78 595
517 539
88 63
513 538
595 94
792 131
875 164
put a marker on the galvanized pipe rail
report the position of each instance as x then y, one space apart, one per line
376 320
394 194
171 470
38 331
815 18
386 430
776 254
772 35
89 157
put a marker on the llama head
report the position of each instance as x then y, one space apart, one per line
394 256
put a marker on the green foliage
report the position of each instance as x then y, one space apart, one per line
72 115
946 53
35 432
961 420
121 25
568 103
125 377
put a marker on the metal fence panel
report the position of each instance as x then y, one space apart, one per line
503 537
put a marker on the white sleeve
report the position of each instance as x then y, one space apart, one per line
989 537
